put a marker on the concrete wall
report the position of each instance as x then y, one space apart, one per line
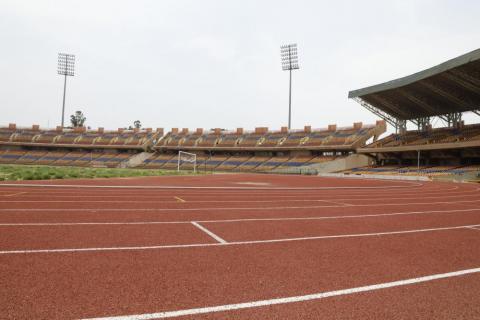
351 161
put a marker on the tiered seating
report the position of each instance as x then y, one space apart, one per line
317 138
297 161
273 139
208 140
31 157
68 158
85 159
294 139
110 160
213 162
51 157
190 140
5 135
67 138
158 161
233 162
252 163
87 138
105 139
320 159
24 136
139 138
76 136
250 140
432 136
173 140
430 171
229 140
46 137
10 156
272 163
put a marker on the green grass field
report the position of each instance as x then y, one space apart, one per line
26 172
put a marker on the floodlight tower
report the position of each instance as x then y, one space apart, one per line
66 67
289 62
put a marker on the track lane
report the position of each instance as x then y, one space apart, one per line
58 237
53 215
117 283
455 298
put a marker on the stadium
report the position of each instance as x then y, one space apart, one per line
373 220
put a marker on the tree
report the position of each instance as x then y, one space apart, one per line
137 124
77 119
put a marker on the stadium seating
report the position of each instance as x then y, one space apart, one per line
430 171
233 162
229 140
272 163
252 163
30 157
297 161
11 156
431 136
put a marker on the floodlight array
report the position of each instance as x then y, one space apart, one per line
289 55
66 64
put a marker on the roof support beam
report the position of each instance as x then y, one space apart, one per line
416 100
454 100
388 104
466 77
465 84
384 116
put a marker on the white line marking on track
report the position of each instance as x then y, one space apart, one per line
293 299
407 184
210 233
14 194
176 198
238 208
474 228
235 220
358 235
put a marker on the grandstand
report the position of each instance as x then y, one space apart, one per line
259 150
444 92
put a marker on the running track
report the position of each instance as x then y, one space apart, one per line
239 247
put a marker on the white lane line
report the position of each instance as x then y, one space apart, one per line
12 195
358 235
210 233
293 299
238 208
360 216
407 184
282 199
166 193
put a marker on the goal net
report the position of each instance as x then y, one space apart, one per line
188 160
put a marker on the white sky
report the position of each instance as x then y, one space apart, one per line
178 63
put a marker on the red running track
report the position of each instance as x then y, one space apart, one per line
239 247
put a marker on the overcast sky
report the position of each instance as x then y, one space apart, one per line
203 63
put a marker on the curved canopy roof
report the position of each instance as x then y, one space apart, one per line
453 86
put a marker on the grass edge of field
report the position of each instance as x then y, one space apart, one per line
15 172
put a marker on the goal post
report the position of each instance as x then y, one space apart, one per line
188 158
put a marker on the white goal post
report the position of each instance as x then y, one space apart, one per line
187 157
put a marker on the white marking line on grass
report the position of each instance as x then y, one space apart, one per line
210 233
358 235
293 299
360 216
